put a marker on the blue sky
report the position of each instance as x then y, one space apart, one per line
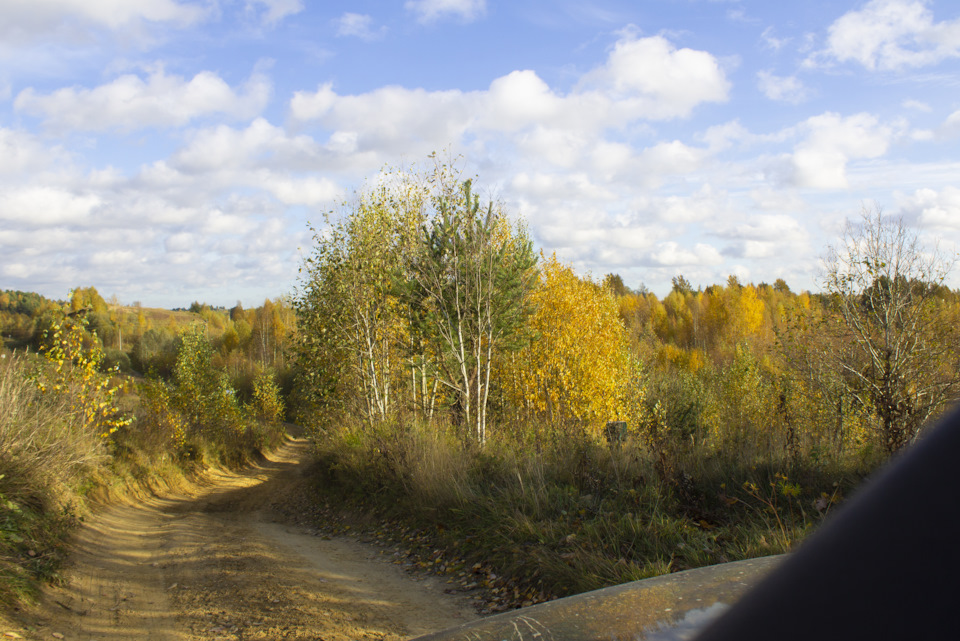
174 150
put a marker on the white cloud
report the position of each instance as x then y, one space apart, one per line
358 25
224 147
292 190
611 159
951 126
916 105
259 156
820 160
21 152
672 254
891 35
520 99
559 147
35 205
22 19
432 10
672 157
575 186
119 258
781 88
307 105
180 242
726 135
559 187
768 198
642 79
276 10
129 103
771 41
650 78
763 236
936 210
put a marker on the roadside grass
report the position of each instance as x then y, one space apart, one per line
55 466
44 460
567 513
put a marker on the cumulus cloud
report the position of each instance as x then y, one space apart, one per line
297 190
392 119
932 209
559 187
226 148
724 136
643 79
672 157
672 254
358 25
781 88
55 237
820 160
653 79
40 205
951 126
432 10
763 236
702 205
233 228
519 99
22 153
891 35
130 102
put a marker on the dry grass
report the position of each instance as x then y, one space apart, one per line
42 441
45 456
572 513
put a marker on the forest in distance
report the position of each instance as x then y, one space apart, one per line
570 433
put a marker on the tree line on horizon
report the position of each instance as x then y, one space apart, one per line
455 317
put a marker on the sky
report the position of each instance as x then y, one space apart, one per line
170 151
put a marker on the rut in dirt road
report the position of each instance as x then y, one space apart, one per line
221 564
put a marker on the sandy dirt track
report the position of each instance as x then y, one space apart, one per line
223 563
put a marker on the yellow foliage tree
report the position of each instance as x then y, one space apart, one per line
577 365
75 372
749 315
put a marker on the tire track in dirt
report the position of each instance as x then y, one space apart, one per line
220 563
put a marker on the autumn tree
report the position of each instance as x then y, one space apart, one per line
576 365
896 349
469 285
351 316
76 374
203 394
87 298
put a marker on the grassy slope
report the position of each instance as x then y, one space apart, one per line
569 516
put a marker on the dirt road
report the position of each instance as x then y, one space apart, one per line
221 564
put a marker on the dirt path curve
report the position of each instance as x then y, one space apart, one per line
222 564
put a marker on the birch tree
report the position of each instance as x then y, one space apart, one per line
893 344
349 306
469 286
